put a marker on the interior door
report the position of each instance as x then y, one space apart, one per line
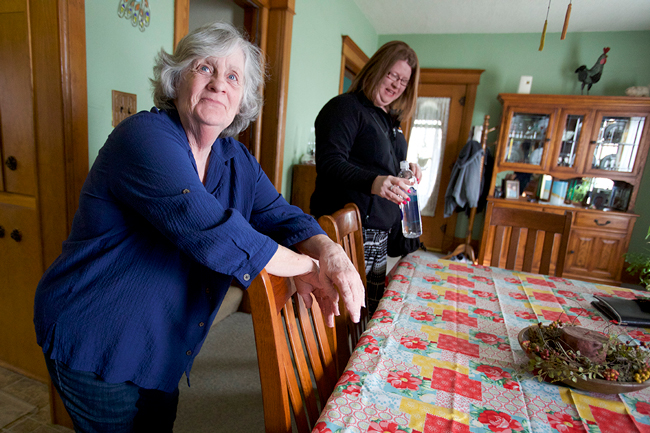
20 257
438 232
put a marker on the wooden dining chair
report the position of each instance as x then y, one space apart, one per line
508 224
344 228
297 371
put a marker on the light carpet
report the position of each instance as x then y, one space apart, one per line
225 393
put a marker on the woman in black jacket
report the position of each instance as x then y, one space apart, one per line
359 145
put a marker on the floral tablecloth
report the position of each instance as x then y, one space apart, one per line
441 355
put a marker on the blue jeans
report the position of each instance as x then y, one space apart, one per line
96 406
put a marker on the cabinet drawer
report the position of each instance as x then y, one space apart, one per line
604 220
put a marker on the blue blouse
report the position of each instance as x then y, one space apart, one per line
153 251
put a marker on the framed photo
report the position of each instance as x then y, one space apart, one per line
545 183
511 188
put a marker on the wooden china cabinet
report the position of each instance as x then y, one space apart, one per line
588 150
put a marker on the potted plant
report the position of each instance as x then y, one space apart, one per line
638 262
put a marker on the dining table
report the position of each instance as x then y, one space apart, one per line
441 354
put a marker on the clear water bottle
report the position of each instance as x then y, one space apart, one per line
411 220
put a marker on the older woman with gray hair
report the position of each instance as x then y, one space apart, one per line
172 210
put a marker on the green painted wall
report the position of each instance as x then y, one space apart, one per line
120 57
315 67
506 57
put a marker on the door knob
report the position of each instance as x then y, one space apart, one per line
11 163
2 232
16 235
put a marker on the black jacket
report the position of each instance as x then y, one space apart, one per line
356 142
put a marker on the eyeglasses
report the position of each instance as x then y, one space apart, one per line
394 77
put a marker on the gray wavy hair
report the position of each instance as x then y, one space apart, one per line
211 40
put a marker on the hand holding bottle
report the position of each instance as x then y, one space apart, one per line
391 188
411 220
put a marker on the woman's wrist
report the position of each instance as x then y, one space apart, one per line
287 263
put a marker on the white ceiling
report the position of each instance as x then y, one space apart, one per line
503 16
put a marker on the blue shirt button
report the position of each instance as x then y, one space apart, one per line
188 353
185 191
247 277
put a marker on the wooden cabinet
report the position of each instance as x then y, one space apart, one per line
20 270
44 151
591 152
302 185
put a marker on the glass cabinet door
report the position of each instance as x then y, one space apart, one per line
569 141
527 139
617 143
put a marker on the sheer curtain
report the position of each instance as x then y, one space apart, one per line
426 147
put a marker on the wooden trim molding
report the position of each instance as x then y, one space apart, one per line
75 94
450 76
280 26
181 19
269 24
58 47
352 58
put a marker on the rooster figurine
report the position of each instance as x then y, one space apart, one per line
591 76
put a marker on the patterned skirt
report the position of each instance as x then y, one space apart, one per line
375 247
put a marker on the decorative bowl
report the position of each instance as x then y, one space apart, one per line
592 385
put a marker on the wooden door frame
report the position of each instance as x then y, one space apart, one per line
352 58
60 103
270 25
469 79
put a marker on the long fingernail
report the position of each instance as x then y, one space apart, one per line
408 199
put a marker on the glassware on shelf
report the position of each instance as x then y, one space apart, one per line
617 143
526 138
570 139
309 157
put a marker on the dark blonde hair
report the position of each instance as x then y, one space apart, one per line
377 68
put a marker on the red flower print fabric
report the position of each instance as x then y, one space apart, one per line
422 316
483 312
321 427
640 335
403 380
643 408
499 422
352 390
525 315
565 423
494 373
383 427
489 338
413 343
427 295
348 376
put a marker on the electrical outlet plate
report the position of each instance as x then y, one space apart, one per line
124 105
525 83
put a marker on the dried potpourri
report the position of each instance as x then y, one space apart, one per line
555 355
